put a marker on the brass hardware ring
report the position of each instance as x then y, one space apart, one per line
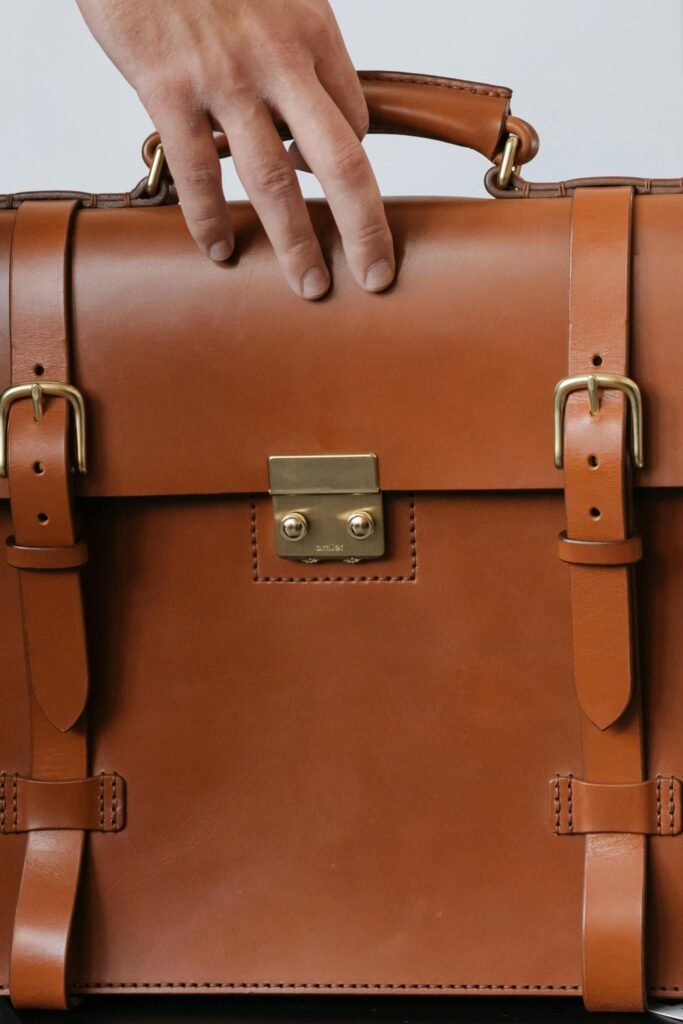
507 163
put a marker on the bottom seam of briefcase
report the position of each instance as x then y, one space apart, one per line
85 988
321 986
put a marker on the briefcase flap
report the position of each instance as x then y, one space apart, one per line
195 373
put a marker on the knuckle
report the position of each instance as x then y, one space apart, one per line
276 181
374 234
162 93
299 245
208 223
350 162
238 95
200 177
282 54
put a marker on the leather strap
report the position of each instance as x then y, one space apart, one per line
67 557
649 808
597 494
96 804
51 602
600 552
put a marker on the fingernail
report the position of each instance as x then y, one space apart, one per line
220 251
379 276
314 283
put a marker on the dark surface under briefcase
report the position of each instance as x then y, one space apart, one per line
320 668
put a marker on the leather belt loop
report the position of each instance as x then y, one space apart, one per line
90 805
649 808
600 552
51 602
597 497
69 556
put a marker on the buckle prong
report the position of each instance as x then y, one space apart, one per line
37 398
592 385
36 392
591 382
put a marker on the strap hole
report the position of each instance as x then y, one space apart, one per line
593 461
38 468
39 369
595 513
597 360
43 518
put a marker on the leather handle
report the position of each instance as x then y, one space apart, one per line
462 113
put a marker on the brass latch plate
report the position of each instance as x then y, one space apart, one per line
327 507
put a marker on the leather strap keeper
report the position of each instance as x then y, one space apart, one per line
645 808
599 552
69 556
96 804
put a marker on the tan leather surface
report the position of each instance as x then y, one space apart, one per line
39 474
651 807
614 923
52 621
364 365
598 505
597 451
67 556
43 919
600 552
29 805
289 747
343 787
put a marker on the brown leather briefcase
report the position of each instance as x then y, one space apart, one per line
374 703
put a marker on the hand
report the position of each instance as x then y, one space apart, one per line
241 66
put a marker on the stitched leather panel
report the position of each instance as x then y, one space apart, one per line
649 808
30 805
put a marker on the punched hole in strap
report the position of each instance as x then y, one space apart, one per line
600 552
69 556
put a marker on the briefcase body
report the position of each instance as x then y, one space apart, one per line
301 691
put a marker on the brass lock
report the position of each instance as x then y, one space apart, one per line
327 507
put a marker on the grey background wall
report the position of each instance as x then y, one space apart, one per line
602 80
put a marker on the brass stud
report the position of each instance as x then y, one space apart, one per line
294 526
360 525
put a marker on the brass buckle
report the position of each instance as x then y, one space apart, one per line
35 391
593 381
507 163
